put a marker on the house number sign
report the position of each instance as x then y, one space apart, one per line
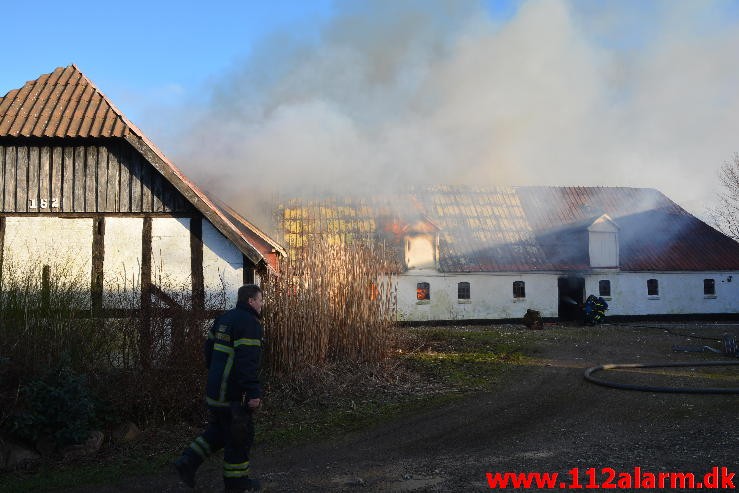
43 203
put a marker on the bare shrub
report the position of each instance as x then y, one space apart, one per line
46 317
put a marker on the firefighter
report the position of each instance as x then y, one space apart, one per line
233 392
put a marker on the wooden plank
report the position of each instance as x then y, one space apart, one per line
33 179
78 187
196 263
21 177
9 183
98 259
91 186
2 177
248 270
102 179
125 180
56 178
156 191
113 203
44 179
145 335
146 200
2 249
136 181
67 193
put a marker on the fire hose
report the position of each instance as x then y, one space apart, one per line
729 349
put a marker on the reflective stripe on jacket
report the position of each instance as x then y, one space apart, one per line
233 353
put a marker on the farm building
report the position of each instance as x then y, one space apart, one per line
84 195
493 253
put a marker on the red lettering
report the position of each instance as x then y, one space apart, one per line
625 481
610 474
727 479
710 479
648 480
687 480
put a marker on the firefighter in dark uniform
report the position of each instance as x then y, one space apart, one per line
233 356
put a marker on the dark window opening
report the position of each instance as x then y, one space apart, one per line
463 290
709 287
652 287
519 289
571 295
423 291
604 288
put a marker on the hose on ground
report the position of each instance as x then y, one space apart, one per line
648 388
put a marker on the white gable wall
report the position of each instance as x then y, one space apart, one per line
65 245
170 256
122 263
223 268
603 249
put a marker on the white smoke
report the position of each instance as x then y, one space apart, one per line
394 93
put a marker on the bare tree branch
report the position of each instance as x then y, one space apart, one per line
726 215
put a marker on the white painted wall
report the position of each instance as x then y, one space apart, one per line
223 268
64 244
122 264
492 294
170 257
679 292
603 249
603 242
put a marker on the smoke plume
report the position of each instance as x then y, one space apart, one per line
391 94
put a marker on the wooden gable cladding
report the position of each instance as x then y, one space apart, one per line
83 176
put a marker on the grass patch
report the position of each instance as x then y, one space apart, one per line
435 366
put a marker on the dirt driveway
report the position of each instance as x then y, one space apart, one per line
543 416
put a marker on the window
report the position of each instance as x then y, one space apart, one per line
374 291
423 291
463 290
519 289
709 287
652 287
604 288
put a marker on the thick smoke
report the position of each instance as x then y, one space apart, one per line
391 94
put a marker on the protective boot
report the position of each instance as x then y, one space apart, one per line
253 486
185 470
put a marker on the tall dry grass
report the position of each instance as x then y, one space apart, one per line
331 302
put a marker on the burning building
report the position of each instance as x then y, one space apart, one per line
84 193
493 253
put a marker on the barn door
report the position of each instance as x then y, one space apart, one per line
571 297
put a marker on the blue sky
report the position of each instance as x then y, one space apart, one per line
142 53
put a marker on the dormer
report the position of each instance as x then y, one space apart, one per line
603 242
421 245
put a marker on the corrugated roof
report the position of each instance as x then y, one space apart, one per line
66 104
524 229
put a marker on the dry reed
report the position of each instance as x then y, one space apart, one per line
331 302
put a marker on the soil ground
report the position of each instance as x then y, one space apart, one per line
540 416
